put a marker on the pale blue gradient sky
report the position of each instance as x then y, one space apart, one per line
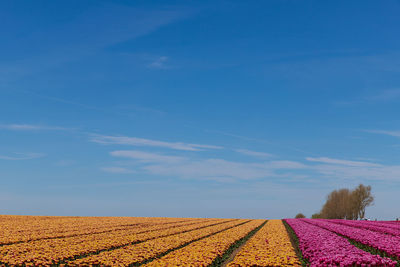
197 108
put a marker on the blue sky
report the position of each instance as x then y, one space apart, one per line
197 108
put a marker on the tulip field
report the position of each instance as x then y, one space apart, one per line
142 241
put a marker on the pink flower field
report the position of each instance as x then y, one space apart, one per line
347 243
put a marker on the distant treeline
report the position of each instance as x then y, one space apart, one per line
346 204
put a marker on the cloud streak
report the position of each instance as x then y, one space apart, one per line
97 31
384 96
390 133
159 63
354 170
22 156
253 153
343 162
359 173
208 168
134 141
119 170
30 127
223 170
212 169
146 156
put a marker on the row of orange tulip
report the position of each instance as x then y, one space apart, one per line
154 248
27 228
270 246
52 251
205 251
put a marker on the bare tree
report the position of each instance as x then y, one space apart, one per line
347 204
300 215
338 205
362 199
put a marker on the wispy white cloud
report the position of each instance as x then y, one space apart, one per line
390 133
354 170
120 170
30 127
159 63
97 30
204 168
359 173
286 165
239 136
214 169
65 162
385 95
218 169
134 141
343 162
184 165
146 156
119 110
138 109
22 156
253 153
261 141
380 97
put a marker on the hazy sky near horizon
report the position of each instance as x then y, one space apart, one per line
254 109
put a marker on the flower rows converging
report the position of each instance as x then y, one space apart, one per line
15 229
53 251
373 226
204 252
270 246
131 241
322 247
383 242
141 252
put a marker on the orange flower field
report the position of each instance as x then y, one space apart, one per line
120 241
134 241
268 247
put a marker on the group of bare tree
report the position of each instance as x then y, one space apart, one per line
346 204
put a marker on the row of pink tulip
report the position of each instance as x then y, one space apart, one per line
382 242
394 224
390 224
373 226
325 248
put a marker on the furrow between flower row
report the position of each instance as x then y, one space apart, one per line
54 251
372 226
325 248
270 246
17 229
139 253
205 251
382 242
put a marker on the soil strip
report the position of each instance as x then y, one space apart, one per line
231 252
